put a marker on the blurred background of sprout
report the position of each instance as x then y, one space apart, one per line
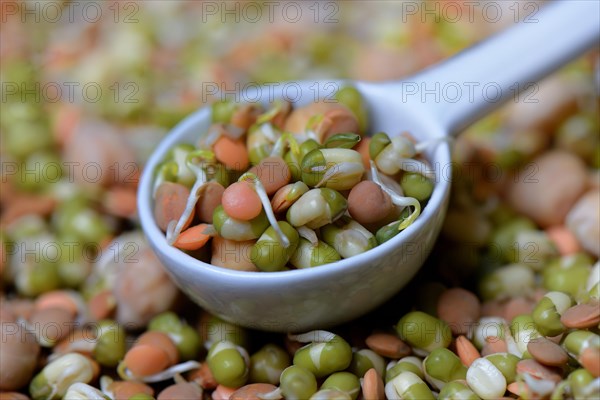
152 59
131 70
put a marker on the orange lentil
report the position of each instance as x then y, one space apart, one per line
232 153
192 238
240 201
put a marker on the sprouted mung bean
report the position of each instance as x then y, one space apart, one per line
291 181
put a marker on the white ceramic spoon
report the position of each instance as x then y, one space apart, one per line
439 101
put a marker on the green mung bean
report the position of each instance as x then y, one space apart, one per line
267 364
228 364
408 386
506 364
442 366
409 363
328 353
351 98
568 275
269 254
238 230
416 185
423 331
365 359
547 312
523 329
297 383
457 390
345 382
335 168
308 255
111 343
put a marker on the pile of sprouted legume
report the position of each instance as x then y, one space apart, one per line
290 188
525 324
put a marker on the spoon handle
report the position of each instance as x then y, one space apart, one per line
478 80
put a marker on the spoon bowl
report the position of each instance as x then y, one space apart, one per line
320 297
298 300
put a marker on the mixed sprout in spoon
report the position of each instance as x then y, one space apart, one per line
283 187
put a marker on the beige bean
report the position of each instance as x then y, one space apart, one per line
459 308
210 198
547 352
388 345
169 204
18 358
547 188
98 143
273 173
368 203
558 95
137 276
584 221
51 325
232 254
582 316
